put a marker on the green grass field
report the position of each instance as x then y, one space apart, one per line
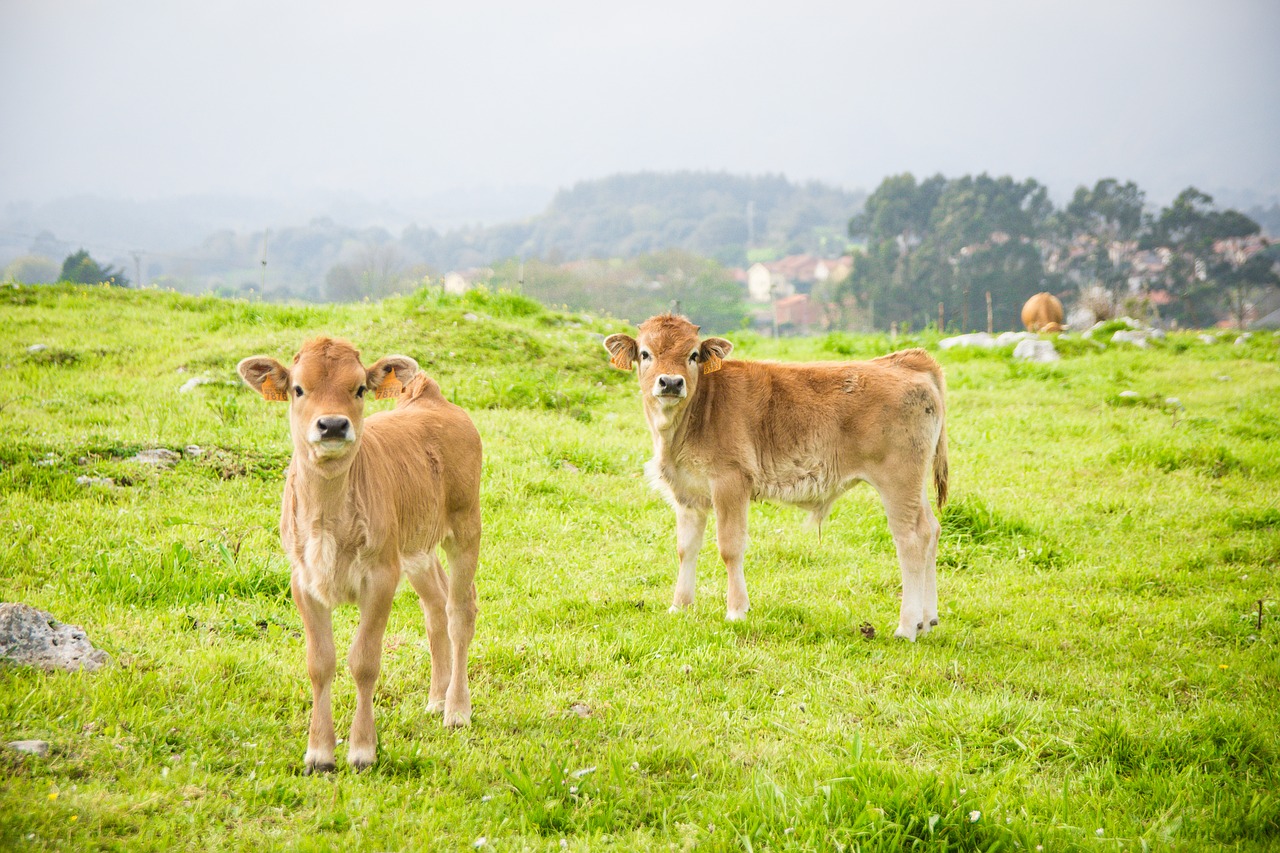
1099 680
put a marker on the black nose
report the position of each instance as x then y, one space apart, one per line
333 426
670 384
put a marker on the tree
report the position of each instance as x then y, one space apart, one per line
1110 211
79 268
32 269
1190 227
1243 282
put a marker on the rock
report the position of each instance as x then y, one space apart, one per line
1041 352
161 457
1208 339
973 339
1243 339
1136 337
1008 339
471 318
86 480
581 709
194 450
31 747
1128 395
35 348
34 638
194 383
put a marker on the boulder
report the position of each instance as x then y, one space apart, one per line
1137 337
1041 352
973 339
34 638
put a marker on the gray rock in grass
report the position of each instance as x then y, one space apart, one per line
161 457
38 748
34 638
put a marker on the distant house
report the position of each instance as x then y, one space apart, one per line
795 314
793 274
458 282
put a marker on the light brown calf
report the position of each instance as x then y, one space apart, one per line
367 500
729 432
1043 313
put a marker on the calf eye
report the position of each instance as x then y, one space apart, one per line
693 357
297 390
360 391
644 356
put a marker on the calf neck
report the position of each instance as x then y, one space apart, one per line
365 501
726 432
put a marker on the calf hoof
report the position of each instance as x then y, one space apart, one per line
309 766
908 634
735 615
435 706
457 719
359 759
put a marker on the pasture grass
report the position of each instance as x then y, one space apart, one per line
1101 678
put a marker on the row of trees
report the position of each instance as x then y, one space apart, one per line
635 288
950 242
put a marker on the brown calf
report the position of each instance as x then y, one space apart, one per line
364 501
729 432
1042 313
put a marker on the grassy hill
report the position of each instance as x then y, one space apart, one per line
1099 678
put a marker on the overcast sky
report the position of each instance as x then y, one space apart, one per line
397 99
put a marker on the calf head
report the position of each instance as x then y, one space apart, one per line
325 388
671 359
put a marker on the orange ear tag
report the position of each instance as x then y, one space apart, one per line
712 364
621 360
269 391
390 387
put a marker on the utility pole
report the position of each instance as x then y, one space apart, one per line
751 224
990 322
137 266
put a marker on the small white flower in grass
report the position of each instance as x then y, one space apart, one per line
480 842
573 789
974 815
486 798
1098 832
1039 847
564 843
788 830
578 774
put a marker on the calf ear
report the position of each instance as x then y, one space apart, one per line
713 352
388 375
266 376
623 350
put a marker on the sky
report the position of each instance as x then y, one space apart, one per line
144 99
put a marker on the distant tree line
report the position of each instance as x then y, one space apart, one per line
636 288
950 242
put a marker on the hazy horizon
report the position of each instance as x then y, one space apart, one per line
147 100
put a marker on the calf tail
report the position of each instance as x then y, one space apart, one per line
940 466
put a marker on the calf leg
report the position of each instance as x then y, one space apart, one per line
463 551
915 536
432 586
321 661
691 528
731 502
365 660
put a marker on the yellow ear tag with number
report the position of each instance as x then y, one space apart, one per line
712 364
621 360
390 387
271 392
